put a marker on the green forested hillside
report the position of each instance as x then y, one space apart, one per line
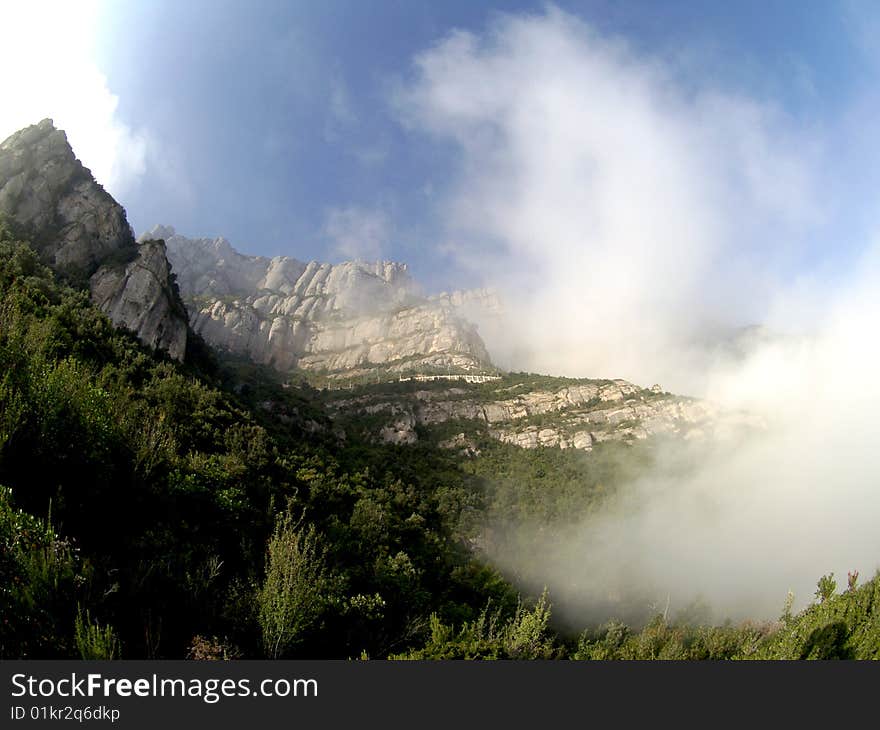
153 509
138 490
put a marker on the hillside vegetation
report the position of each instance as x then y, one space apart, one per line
156 509
139 491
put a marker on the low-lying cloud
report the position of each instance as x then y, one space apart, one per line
631 223
592 183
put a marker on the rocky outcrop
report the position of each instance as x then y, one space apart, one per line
572 416
72 220
139 297
81 232
338 318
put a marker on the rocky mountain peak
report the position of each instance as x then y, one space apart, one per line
70 218
82 232
159 233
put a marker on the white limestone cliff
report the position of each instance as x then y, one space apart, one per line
336 318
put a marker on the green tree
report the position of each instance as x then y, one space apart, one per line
825 587
94 641
294 591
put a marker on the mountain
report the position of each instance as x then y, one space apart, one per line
152 510
340 319
172 500
352 319
82 232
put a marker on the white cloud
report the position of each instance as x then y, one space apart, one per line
592 182
357 233
623 214
50 72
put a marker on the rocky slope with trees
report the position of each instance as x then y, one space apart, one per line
82 232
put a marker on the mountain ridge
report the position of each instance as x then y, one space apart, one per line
342 319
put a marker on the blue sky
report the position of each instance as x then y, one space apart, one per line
276 123
278 111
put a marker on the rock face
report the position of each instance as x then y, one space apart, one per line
82 232
141 298
572 416
45 189
338 318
